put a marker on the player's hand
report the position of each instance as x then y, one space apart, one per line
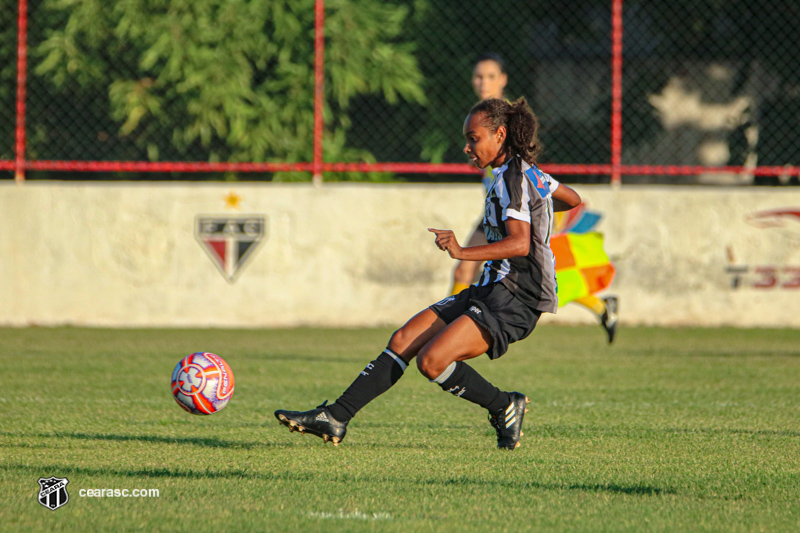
446 241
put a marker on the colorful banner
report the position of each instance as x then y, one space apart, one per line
582 266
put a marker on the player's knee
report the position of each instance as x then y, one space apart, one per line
401 341
429 366
424 366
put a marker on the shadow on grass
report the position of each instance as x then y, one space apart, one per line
211 442
307 358
319 477
736 431
696 353
551 431
634 490
208 442
139 473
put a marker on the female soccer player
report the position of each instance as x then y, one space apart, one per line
516 288
489 80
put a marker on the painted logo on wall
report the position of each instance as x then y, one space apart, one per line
230 241
775 218
783 222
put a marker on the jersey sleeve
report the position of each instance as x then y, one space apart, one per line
553 184
516 197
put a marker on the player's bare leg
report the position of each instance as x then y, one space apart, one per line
463 339
416 333
442 361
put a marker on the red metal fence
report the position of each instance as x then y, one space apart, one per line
644 63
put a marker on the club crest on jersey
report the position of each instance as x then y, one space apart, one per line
230 241
53 492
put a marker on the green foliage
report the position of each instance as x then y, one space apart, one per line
232 77
8 85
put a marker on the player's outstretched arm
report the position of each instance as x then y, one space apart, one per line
515 244
565 198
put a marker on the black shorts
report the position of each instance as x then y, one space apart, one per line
495 309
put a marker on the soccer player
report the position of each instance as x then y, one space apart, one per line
489 80
518 285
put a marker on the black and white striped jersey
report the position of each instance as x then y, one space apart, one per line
523 192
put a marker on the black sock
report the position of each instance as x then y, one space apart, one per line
374 380
465 382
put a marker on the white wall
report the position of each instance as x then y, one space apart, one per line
359 255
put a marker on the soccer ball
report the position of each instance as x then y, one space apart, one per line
202 383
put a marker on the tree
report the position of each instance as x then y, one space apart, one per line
225 80
8 81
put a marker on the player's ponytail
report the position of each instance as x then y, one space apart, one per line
523 131
520 121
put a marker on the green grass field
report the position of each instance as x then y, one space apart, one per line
668 430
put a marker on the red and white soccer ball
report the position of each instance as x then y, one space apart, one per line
202 383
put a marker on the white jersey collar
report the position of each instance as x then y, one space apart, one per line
500 170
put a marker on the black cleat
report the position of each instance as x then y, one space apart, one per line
317 421
609 318
508 422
